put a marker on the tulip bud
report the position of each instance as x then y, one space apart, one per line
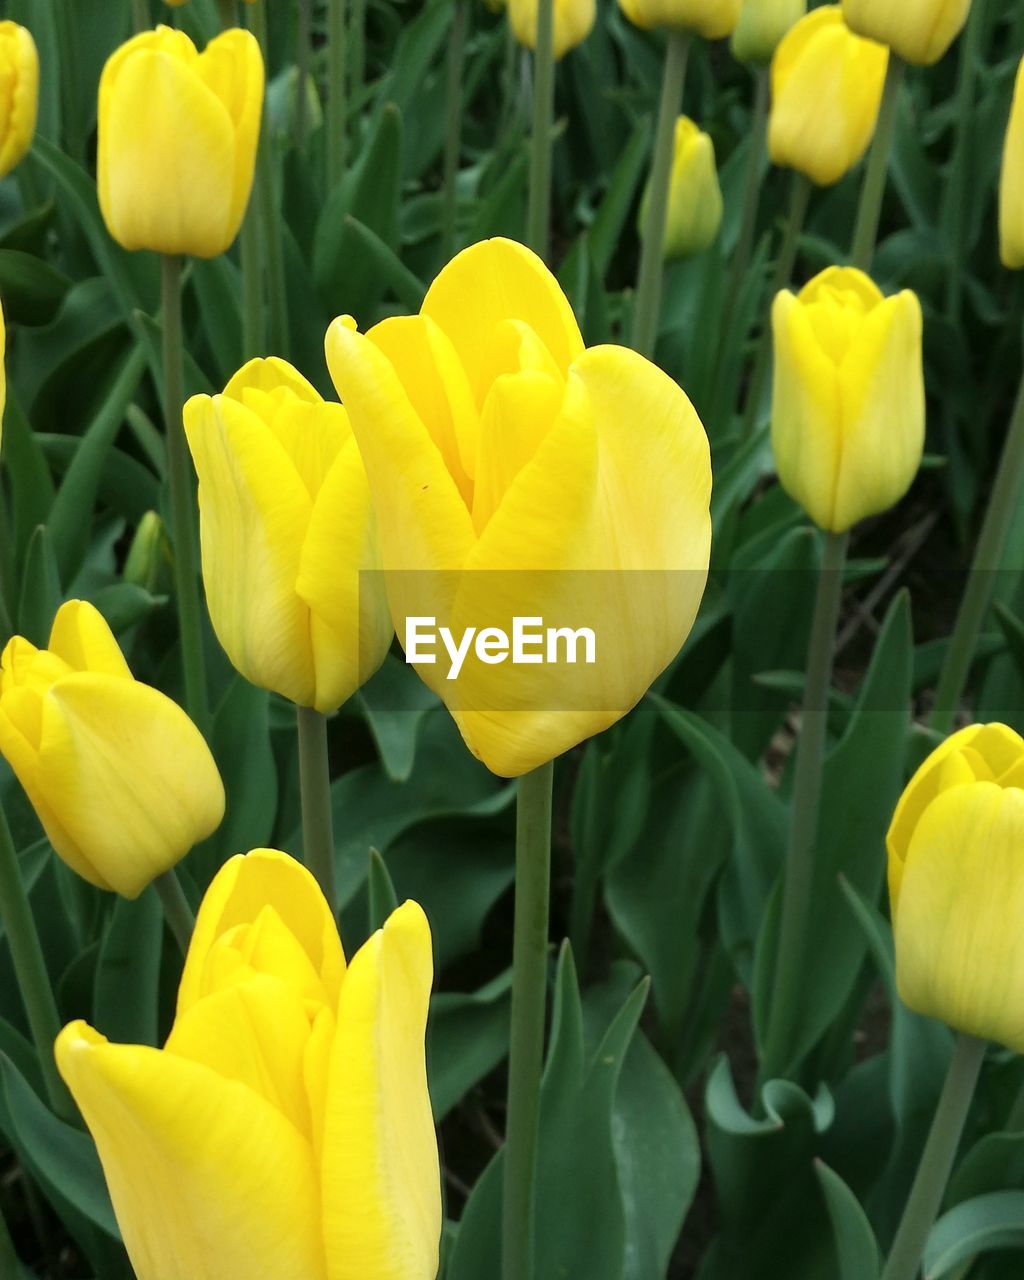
149 555
711 19
1011 186
694 197
119 776
826 93
848 414
574 21
920 31
178 132
19 70
285 1128
286 530
762 25
955 887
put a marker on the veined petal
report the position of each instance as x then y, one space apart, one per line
208 1180
83 639
232 66
269 374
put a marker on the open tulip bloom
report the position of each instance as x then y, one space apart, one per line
284 1131
518 475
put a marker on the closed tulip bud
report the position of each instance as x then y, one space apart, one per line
694 196
826 94
19 72
920 31
177 140
574 21
848 414
955 885
1011 186
711 19
287 531
149 555
119 776
518 476
285 1127
762 25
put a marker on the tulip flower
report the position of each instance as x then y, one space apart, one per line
826 93
120 778
848 414
19 71
1011 186
177 140
711 19
762 25
955 886
285 1127
694 197
517 475
920 31
574 21
286 531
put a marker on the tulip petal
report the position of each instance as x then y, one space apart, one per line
83 639
269 374
232 66
20 98
208 1180
98 730
1011 183
381 1181
493 281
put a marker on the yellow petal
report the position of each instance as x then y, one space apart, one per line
268 375
19 68
208 1180
82 638
232 66
1011 185
710 18
573 22
381 1181
920 31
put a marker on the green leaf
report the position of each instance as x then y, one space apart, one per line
988 1223
395 700
856 1248
382 897
127 979
242 748
467 1038
40 590
32 290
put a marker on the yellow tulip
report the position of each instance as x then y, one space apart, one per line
517 475
19 75
694 195
284 1131
711 19
848 414
119 776
574 21
177 140
920 31
287 536
955 887
762 25
1011 186
826 93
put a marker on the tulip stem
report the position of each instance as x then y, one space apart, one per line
652 248
179 473
798 874
270 210
453 135
783 277
253 335
180 917
529 1001
337 102
303 42
936 1165
987 561
228 10
30 971
538 214
872 192
955 203
315 786
745 243
357 49
141 17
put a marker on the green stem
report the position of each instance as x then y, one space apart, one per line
936 1165
869 213
357 48
798 875
228 10
529 999
745 244
270 210
538 213
253 307
453 133
303 41
179 473
70 64
315 786
179 914
652 247
142 19
337 103
956 195
30 971
981 582
8 569
786 261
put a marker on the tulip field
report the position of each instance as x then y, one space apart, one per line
511 640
